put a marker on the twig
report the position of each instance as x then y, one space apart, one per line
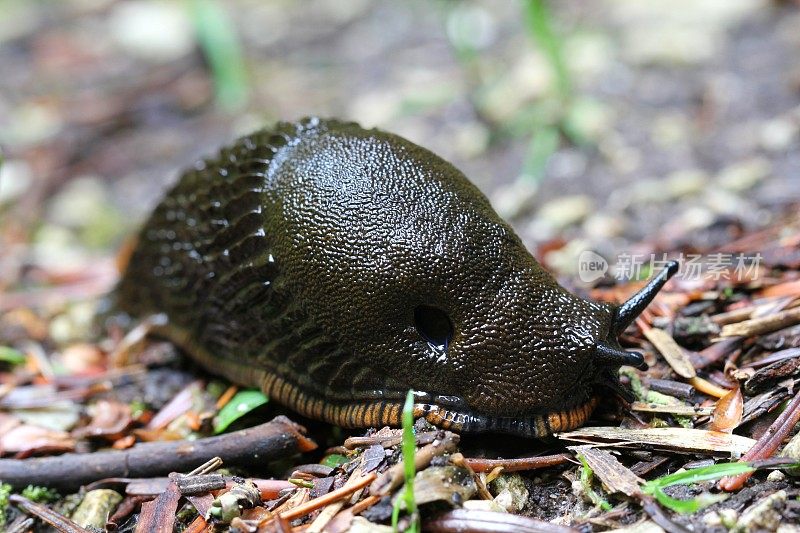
387 441
517 465
58 521
277 438
706 387
393 478
760 326
338 494
670 351
767 444
474 521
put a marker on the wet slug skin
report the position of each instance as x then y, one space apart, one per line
337 267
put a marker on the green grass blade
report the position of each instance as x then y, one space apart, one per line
691 505
409 447
11 356
697 475
540 27
219 41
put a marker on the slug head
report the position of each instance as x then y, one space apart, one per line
404 263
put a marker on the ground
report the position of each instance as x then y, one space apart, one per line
619 127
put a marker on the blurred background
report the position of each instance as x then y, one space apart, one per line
611 125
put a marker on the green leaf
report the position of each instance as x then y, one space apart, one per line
11 356
697 475
333 460
241 404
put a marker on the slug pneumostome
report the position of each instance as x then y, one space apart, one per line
337 267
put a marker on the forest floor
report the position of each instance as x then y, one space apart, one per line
669 131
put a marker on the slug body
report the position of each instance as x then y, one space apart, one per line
337 267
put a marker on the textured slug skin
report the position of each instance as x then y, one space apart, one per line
295 260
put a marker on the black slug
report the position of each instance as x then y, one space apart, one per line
337 267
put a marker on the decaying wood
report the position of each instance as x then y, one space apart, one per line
768 443
158 516
516 465
474 521
393 478
671 351
614 475
760 326
58 521
670 439
277 438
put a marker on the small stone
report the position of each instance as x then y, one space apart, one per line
511 492
81 357
15 179
154 30
566 211
603 226
670 130
778 134
470 139
96 507
483 505
728 517
685 183
764 515
745 174
776 476
514 199
566 259
792 450
712 519
362 525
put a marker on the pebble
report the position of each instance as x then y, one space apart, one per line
15 179
153 30
778 134
565 211
96 507
602 226
744 174
685 183
514 199
764 515
776 476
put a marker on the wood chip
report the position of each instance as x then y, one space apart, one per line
158 516
680 410
614 475
671 351
760 326
669 439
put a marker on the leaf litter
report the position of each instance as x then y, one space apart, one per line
711 418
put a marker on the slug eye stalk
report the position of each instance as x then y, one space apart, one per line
609 352
627 312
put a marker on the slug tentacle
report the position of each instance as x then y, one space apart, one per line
628 311
610 355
